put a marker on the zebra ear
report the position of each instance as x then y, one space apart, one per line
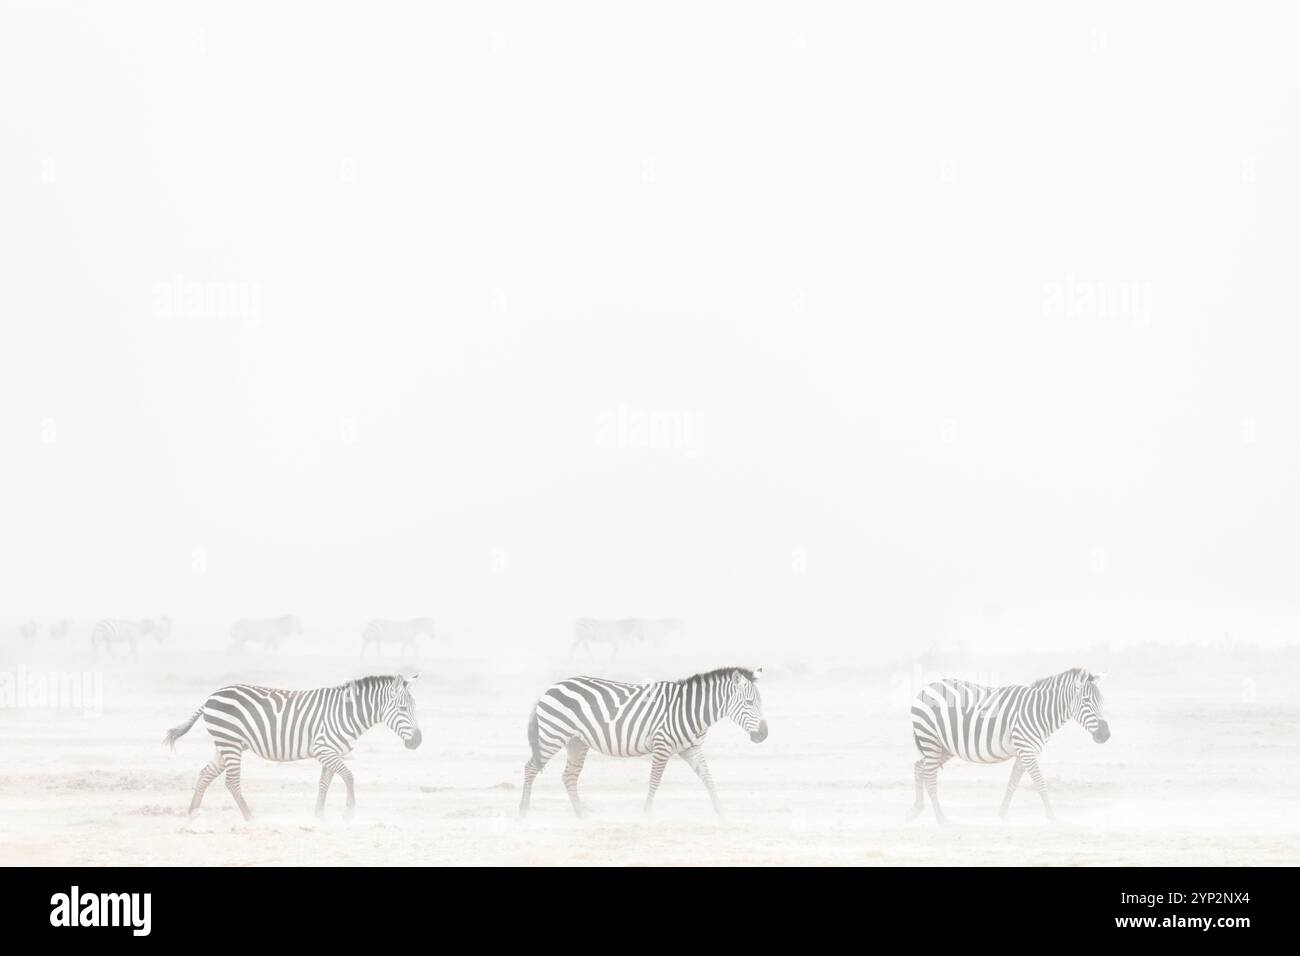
349 691
1096 678
758 672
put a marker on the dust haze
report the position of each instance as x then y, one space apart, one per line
871 346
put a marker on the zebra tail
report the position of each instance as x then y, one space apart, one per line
533 740
180 730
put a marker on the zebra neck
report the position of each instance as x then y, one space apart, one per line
702 707
358 715
1053 710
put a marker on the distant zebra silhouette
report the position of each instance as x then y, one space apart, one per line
956 718
402 633
29 630
267 632
58 630
110 632
286 725
588 631
631 720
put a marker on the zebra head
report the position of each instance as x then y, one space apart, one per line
1088 708
745 704
397 710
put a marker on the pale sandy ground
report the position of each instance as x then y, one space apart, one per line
1203 769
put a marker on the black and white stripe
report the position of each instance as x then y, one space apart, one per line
402 633
956 718
658 719
286 725
110 632
267 632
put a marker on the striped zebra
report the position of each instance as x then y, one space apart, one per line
588 631
110 632
955 718
632 720
268 632
285 725
402 633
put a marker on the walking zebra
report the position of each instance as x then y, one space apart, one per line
588 631
268 632
109 632
955 718
285 725
632 720
402 633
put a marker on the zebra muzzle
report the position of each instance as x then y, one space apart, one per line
1102 733
413 741
759 735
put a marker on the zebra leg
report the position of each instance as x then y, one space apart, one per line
1036 774
930 771
326 778
536 763
332 761
695 757
657 764
918 806
206 776
1017 771
577 748
531 769
232 762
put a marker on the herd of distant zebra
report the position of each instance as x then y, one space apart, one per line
658 719
269 634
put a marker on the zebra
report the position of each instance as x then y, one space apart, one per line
588 631
268 632
660 718
109 632
956 718
286 725
29 630
403 633
58 630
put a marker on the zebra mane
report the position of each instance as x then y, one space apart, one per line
718 672
1072 672
370 680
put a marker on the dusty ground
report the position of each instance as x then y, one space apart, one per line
1202 769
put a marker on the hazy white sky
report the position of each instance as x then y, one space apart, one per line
929 313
